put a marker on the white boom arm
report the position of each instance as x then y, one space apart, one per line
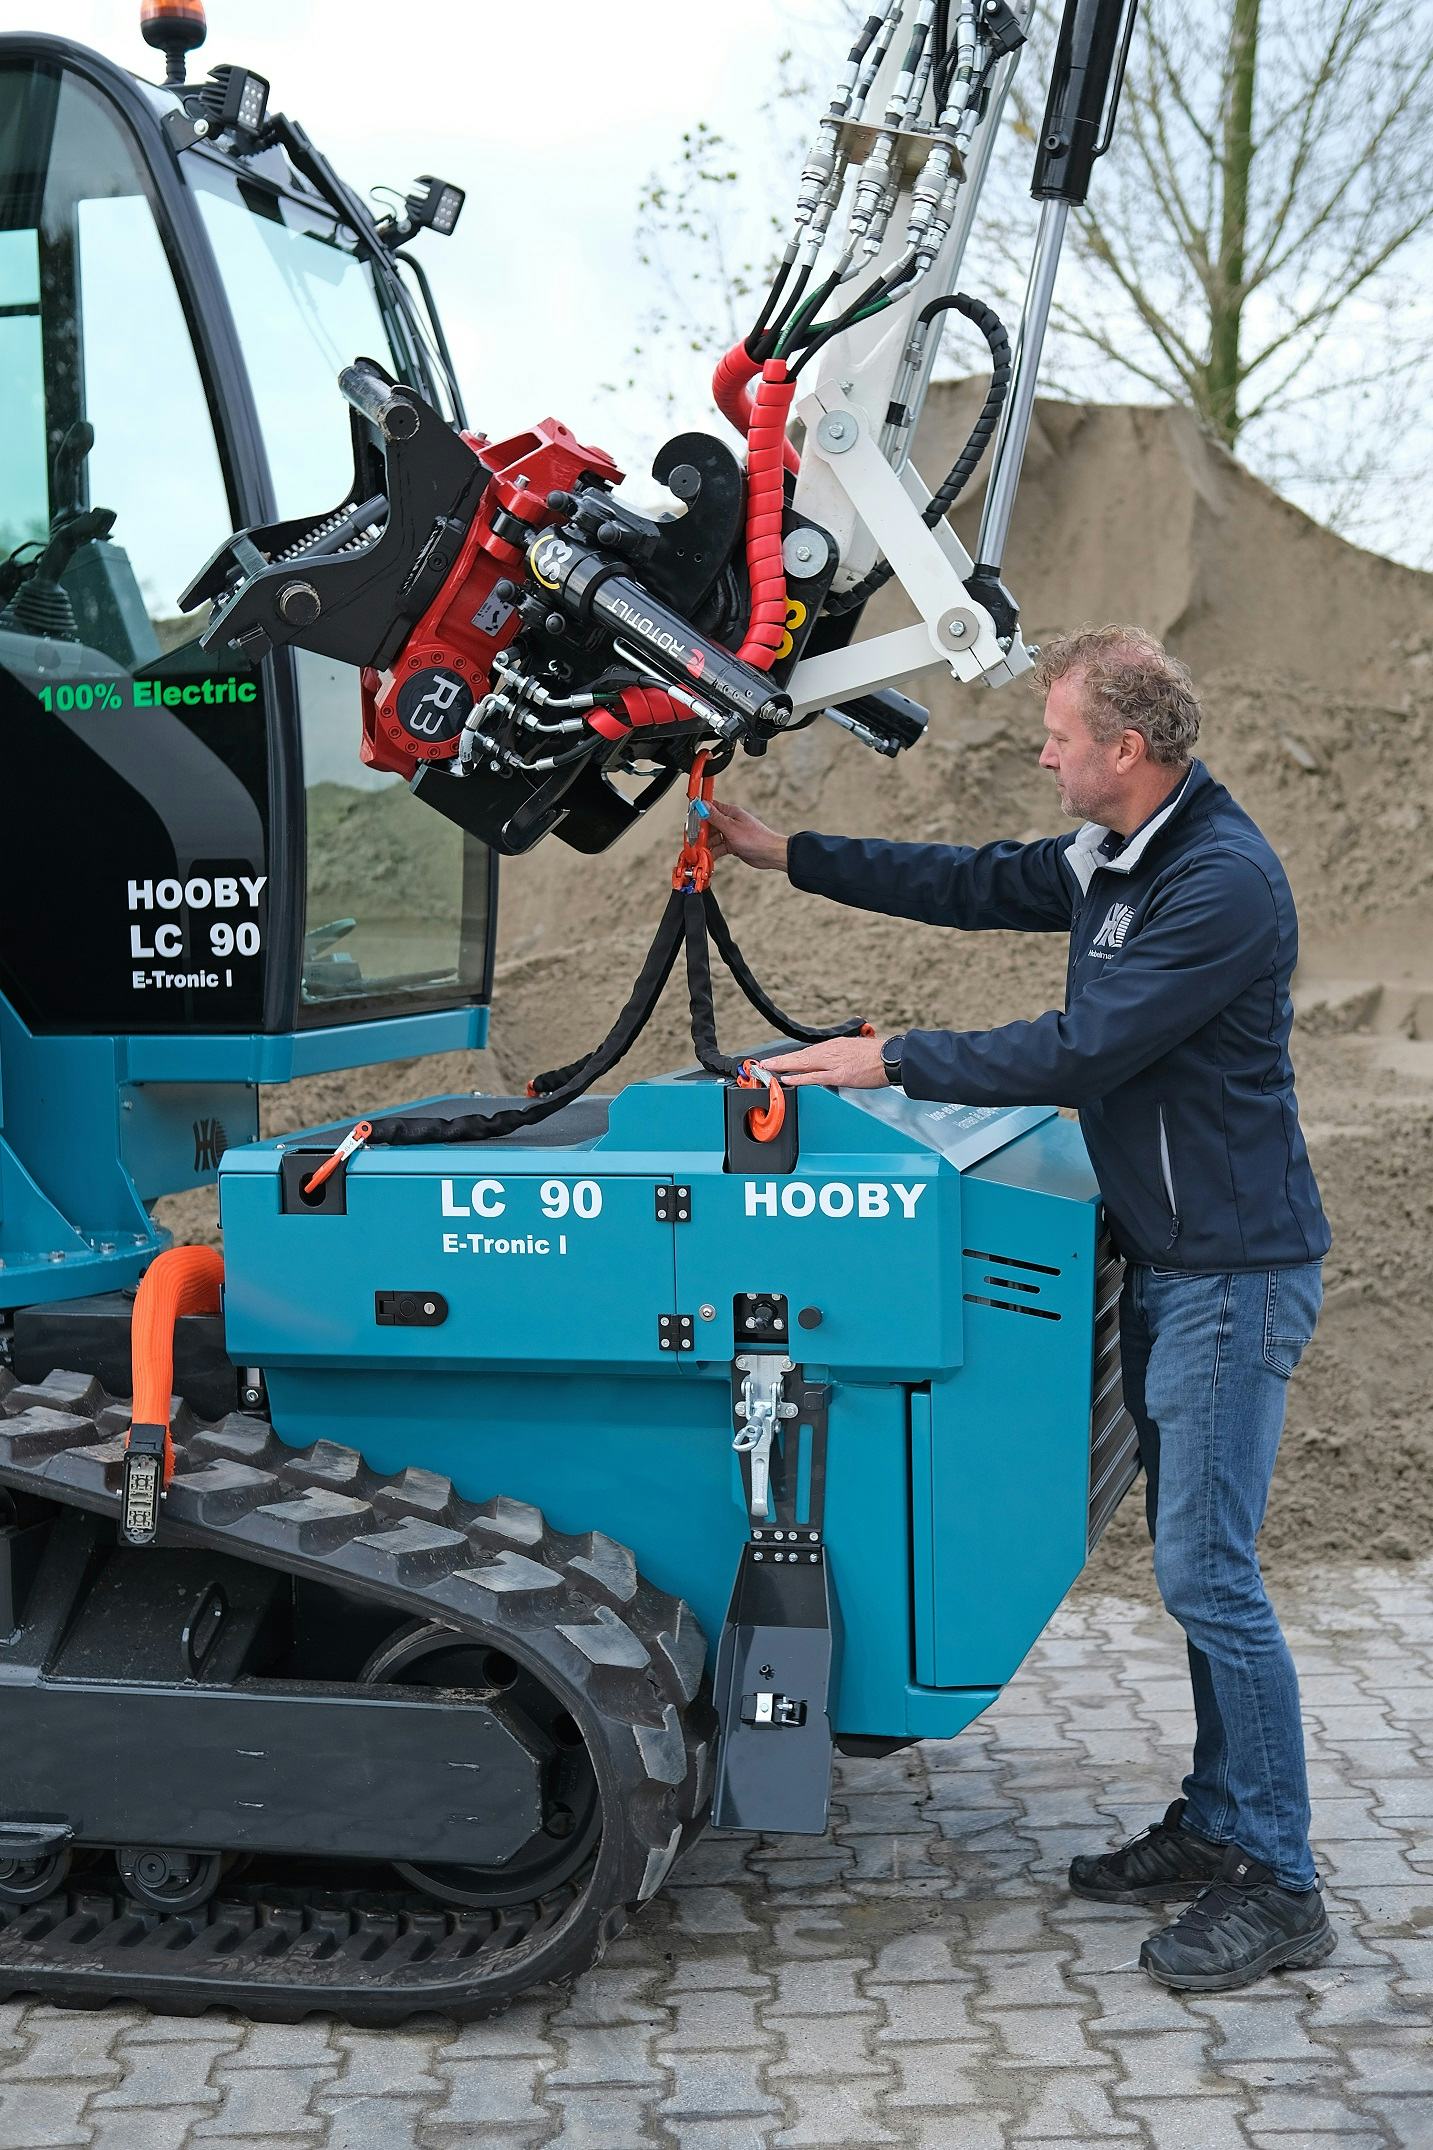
898 164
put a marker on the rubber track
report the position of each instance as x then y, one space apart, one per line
627 1659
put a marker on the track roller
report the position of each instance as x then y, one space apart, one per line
164 1880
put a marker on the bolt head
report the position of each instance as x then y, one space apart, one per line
707 1313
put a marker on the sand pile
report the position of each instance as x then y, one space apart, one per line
1316 662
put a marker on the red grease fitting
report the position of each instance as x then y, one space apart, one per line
183 1280
729 393
764 1122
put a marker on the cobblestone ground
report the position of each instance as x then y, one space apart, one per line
921 1978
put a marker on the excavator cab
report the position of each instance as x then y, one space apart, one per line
198 877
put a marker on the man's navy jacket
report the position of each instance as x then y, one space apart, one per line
1174 1040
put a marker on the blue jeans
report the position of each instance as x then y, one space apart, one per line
1207 1358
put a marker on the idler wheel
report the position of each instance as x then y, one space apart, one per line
427 1655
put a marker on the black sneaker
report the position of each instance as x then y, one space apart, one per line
1166 1861
1241 1927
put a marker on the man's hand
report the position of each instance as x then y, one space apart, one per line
839 1064
734 833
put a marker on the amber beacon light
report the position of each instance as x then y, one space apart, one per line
176 27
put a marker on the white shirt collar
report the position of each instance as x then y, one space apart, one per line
1083 856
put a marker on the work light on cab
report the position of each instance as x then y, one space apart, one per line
438 206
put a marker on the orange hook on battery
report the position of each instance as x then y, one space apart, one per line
764 1122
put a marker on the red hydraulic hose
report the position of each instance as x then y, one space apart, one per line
729 392
765 503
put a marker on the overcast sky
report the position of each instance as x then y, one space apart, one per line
551 116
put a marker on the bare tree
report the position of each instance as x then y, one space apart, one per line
698 252
1268 185
709 226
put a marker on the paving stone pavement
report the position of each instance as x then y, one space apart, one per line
920 1978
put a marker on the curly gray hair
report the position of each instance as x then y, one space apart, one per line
1129 682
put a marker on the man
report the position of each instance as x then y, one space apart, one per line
1174 1045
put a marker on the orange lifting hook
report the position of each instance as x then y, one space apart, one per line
693 869
764 1122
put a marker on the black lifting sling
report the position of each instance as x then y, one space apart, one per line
691 922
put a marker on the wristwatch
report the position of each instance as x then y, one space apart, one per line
891 1053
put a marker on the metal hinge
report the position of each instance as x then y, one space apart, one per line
674 1332
674 1204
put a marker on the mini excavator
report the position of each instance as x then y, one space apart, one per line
532 1481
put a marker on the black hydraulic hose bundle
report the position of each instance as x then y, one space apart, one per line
687 920
962 470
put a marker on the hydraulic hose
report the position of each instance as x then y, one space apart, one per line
766 451
731 394
183 1280
957 478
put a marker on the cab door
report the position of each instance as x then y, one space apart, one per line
135 872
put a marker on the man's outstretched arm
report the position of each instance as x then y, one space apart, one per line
1024 888
1214 934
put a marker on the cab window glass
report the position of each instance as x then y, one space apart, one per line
282 264
105 407
397 898
24 491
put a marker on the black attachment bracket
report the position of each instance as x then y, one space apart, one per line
296 1169
673 1204
775 1675
743 1152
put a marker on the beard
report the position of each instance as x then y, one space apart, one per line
1081 803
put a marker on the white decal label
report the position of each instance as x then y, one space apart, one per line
157 941
566 1200
833 1198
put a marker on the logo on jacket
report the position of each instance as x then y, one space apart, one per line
1116 925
